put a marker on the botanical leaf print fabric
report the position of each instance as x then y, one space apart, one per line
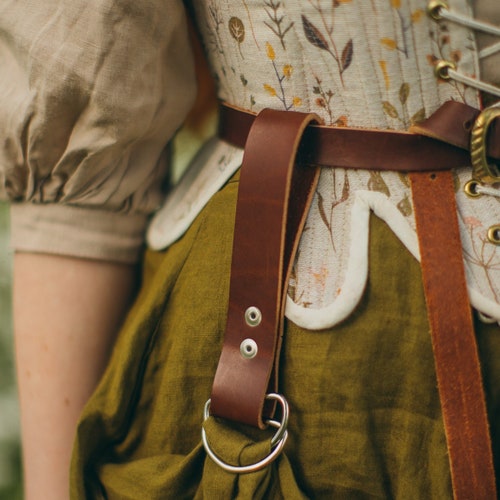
359 64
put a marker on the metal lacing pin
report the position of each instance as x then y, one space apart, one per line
277 441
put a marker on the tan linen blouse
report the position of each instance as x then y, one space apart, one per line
91 91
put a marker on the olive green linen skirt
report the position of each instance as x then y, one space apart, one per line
365 416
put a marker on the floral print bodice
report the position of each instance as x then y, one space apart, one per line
355 63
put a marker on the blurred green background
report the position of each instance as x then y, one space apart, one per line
10 481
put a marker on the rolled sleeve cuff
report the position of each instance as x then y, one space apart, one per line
77 232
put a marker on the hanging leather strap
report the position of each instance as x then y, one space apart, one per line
453 339
265 240
262 259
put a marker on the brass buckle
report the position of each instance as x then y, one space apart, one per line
482 171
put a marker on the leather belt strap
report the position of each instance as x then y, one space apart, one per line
455 352
260 266
439 143
265 239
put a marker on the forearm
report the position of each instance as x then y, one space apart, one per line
66 315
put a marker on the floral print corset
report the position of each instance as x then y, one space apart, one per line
354 63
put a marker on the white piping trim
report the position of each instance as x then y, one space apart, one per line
484 305
199 183
357 268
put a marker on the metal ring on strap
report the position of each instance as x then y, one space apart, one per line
277 442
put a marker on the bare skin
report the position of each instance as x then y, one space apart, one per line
66 315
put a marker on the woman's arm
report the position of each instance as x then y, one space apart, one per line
66 314
91 91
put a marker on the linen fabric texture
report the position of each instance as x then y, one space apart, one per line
365 417
90 94
357 64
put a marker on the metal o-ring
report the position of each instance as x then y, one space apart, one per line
244 469
285 413
277 442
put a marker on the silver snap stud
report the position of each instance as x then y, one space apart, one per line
253 316
249 348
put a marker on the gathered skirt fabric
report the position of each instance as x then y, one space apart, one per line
365 417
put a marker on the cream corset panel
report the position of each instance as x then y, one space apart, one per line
358 64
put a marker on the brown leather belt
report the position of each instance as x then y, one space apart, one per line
278 147
439 143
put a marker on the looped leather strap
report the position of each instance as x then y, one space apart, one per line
264 245
259 246
453 339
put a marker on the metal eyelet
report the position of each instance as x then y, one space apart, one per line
249 348
494 234
277 442
442 67
434 9
253 316
470 189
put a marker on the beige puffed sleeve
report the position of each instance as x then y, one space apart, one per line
91 91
